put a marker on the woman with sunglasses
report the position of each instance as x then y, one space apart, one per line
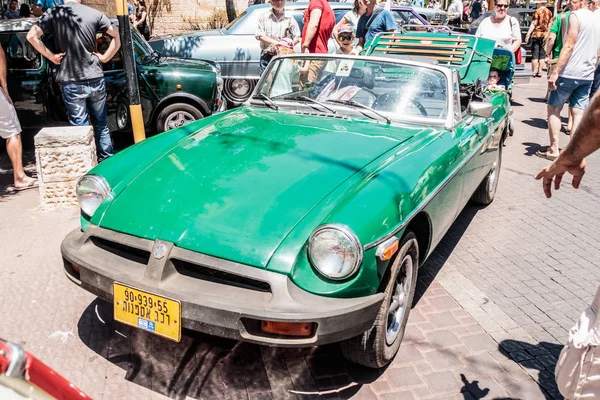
501 27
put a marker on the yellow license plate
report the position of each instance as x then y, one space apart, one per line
148 311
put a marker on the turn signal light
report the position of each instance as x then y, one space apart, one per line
387 249
75 267
302 329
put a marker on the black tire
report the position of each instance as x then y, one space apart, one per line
486 191
188 112
371 349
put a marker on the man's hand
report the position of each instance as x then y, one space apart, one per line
552 81
557 169
56 58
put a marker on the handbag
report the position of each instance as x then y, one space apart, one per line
519 51
519 56
578 369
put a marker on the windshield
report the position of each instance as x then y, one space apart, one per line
398 91
141 48
404 17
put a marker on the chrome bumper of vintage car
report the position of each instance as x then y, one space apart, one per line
218 297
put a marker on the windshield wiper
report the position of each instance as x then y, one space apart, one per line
267 100
309 100
359 105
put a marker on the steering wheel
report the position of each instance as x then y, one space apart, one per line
419 107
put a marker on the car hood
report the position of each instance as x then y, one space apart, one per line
237 186
187 63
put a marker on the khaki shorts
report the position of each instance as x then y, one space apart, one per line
9 123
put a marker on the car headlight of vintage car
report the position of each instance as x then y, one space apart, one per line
335 251
91 191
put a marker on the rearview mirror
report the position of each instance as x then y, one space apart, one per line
481 109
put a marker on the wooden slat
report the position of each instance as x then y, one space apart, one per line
425 51
432 45
437 39
451 59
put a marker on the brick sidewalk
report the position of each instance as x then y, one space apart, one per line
494 302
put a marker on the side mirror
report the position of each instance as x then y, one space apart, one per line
481 109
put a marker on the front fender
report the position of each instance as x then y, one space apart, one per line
182 97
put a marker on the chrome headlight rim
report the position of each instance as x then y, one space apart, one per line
100 183
345 230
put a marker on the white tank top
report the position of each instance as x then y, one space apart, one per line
582 63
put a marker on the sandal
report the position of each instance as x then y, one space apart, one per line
545 155
32 184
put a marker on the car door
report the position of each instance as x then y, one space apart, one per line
25 78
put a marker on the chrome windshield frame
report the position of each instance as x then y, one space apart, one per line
447 122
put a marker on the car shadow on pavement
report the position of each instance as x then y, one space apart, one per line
204 366
539 360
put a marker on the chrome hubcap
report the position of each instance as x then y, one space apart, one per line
399 302
240 87
177 119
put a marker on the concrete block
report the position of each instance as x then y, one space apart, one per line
63 154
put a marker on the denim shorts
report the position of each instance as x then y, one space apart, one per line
574 91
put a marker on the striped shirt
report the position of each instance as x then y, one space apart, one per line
276 28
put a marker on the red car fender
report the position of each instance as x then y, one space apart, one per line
16 363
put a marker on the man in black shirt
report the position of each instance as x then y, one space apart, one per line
79 72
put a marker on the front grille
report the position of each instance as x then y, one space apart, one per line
216 276
122 250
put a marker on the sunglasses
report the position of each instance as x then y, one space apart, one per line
344 37
501 5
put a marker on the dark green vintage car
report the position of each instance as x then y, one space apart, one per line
302 217
173 91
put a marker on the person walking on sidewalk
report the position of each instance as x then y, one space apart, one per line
79 73
537 31
572 79
10 129
501 27
274 25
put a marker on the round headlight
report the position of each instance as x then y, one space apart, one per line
335 251
91 191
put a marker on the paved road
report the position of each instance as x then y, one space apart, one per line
494 305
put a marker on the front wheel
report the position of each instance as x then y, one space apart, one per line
176 115
486 191
377 347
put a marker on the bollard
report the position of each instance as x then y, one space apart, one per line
63 154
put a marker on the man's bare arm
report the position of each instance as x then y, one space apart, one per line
586 138
566 51
311 30
34 37
113 47
584 142
550 44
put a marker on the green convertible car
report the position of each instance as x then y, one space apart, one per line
302 217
